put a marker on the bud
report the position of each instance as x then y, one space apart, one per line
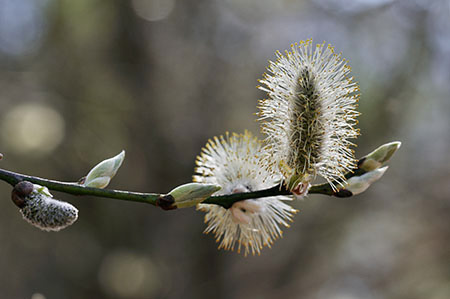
301 190
379 156
20 192
41 210
103 172
359 184
191 194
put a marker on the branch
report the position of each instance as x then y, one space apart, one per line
150 198
76 189
368 170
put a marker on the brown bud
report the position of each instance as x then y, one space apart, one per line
1 156
82 180
343 193
20 191
166 202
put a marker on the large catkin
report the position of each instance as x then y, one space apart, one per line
309 115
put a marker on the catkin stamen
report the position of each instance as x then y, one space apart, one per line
309 115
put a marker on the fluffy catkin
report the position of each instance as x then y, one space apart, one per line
46 213
232 162
309 115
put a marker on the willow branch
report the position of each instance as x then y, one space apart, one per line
155 199
76 189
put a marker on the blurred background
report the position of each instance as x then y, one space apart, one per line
82 80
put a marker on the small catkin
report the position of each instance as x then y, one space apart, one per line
46 213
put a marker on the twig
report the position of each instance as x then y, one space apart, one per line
76 189
154 198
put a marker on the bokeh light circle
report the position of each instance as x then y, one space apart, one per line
153 10
125 274
35 129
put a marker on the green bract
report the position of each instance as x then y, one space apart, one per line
191 194
103 172
379 156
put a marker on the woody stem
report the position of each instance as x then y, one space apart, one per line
155 198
